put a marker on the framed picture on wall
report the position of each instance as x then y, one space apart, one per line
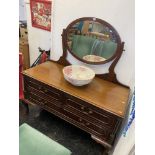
41 14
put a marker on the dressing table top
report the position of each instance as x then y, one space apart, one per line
100 93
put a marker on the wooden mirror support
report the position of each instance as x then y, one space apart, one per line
111 75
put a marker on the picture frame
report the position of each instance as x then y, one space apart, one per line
41 14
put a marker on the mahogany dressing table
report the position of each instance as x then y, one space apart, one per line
97 108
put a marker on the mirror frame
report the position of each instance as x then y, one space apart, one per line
111 75
118 39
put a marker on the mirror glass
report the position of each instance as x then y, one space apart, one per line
92 41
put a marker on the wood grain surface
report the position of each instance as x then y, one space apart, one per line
100 93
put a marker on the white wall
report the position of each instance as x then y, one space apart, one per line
36 37
22 10
118 13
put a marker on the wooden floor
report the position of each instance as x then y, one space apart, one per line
79 142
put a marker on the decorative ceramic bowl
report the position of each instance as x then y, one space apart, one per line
93 58
78 75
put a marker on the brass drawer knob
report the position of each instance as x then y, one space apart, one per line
39 99
45 90
87 123
39 88
80 119
82 107
45 102
90 112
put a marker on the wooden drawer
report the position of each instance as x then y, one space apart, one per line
40 100
71 117
100 131
98 116
42 88
43 96
34 99
85 116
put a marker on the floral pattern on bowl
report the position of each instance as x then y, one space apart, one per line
78 75
93 58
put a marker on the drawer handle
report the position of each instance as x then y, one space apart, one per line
80 119
87 123
39 88
85 112
90 112
45 102
45 90
39 99
82 107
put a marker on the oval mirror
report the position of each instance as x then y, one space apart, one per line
92 40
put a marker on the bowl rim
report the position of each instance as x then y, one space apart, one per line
80 66
91 55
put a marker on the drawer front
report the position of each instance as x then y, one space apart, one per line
35 99
91 127
42 88
99 117
71 117
43 98
84 115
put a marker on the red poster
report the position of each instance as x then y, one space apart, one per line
41 14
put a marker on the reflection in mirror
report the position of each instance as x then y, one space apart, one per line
91 41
